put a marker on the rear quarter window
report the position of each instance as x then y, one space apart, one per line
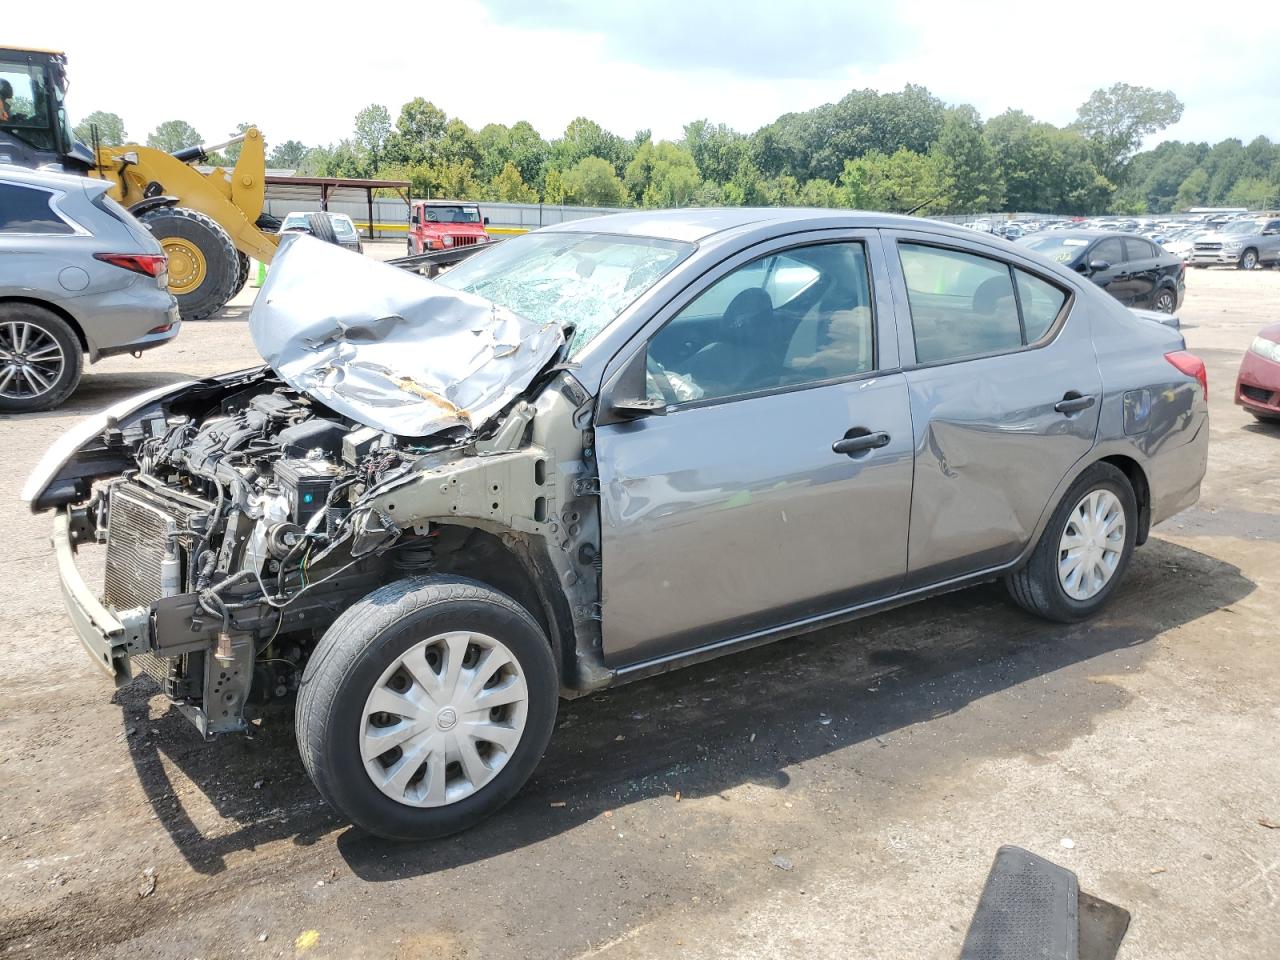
27 210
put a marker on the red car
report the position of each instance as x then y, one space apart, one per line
441 224
1258 385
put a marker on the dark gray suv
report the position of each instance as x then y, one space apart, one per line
598 452
79 276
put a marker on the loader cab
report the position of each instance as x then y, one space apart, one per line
34 131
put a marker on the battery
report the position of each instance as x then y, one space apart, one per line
306 485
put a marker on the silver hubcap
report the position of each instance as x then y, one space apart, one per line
443 719
1164 303
31 361
1250 261
1091 545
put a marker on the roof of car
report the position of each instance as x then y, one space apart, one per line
692 224
43 178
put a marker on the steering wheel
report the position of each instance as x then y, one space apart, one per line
661 379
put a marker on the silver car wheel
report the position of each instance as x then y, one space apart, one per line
443 719
31 360
1092 544
1164 302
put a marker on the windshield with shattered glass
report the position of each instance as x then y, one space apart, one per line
584 279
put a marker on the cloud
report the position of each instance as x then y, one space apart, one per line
799 39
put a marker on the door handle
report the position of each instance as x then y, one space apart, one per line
860 443
1073 402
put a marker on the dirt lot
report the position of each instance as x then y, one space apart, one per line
841 795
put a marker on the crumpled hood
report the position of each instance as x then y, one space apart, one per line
389 348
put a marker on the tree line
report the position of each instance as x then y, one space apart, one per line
902 151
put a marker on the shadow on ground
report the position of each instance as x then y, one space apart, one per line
690 730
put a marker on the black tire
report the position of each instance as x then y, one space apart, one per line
1248 260
352 655
52 326
221 259
1036 587
321 227
243 277
1164 301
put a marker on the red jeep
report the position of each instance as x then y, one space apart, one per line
440 224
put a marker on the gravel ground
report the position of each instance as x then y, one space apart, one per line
837 795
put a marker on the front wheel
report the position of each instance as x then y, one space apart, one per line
1083 551
426 706
1248 260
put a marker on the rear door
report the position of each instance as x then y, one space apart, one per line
777 486
1005 392
1143 263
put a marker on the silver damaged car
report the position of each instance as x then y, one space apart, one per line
601 451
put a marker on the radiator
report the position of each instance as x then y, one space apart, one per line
138 524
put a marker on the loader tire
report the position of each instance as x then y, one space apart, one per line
321 227
203 262
243 276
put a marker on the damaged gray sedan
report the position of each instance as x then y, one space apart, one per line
598 452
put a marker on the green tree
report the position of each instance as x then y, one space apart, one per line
593 182
372 130
716 149
896 183
418 130
1255 192
662 175
585 138
967 163
1192 190
173 135
510 187
288 155
1117 119
111 131
459 144
554 191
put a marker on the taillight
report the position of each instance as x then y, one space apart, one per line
1192 366
148 264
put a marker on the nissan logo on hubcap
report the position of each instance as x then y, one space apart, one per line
446 718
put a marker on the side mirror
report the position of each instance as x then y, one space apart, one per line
413 219
635 409
1098 266
626 396
486 221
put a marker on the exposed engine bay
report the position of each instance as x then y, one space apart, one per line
243 513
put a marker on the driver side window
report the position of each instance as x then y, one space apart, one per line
784 320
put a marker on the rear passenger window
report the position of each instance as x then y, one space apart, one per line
962 305
27 210
1041 303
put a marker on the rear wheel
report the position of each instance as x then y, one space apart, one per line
426 706
1083 551
204 264
1165 301
40 358
1248 260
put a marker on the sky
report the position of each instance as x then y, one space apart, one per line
305 69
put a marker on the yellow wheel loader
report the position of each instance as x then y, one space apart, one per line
208 224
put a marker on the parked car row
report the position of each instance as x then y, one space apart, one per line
1242 240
